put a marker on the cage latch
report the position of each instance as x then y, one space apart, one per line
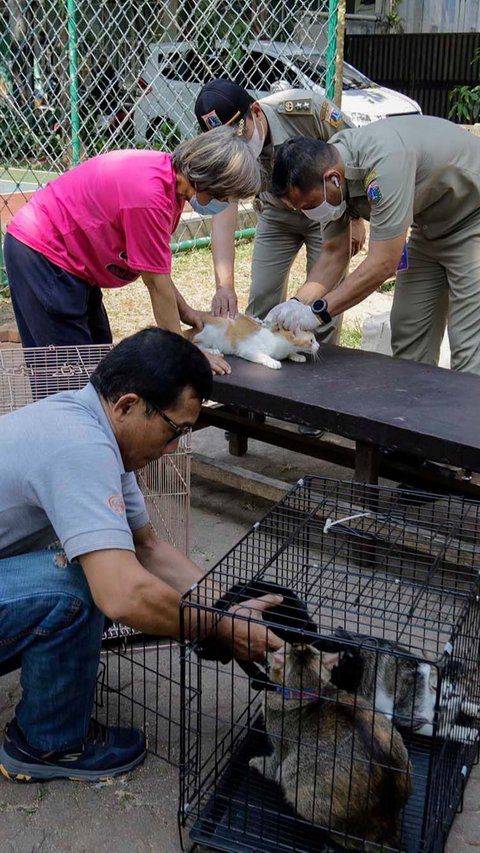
331 523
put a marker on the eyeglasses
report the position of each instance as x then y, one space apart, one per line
178 431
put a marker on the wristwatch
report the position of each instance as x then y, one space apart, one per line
320 309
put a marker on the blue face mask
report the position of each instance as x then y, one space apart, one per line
214 206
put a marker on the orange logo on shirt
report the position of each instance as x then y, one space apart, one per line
117 504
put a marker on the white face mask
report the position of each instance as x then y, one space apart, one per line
256 142
326 212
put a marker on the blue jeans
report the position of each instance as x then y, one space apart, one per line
47 614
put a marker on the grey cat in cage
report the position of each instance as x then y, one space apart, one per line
394 681
389 677
340 764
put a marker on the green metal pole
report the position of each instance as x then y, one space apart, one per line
331 48
73 79
203 242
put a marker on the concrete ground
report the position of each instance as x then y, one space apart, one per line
137 813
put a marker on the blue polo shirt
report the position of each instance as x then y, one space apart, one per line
62 477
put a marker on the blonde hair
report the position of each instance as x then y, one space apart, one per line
219 162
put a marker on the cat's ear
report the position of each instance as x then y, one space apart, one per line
330 660
296 331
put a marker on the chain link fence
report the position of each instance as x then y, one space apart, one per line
78 77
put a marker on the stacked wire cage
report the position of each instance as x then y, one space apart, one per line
388 586
139 682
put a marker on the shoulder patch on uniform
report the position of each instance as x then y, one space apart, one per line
369 178
331 114
211 120
374 193
296 107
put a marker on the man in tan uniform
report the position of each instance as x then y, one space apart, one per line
416 172
281 232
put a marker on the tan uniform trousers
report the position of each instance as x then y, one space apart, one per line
440 287
279 237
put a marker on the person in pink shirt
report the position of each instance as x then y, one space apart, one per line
108 221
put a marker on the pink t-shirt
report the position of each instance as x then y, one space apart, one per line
106 219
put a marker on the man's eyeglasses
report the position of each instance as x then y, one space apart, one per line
178 431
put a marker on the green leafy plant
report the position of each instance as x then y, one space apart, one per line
465 100
393 18
465 103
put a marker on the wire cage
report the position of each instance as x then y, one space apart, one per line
138 680
362 731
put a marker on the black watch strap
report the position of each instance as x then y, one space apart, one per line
320 309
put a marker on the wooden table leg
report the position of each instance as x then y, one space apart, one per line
367 462
237 443
237 440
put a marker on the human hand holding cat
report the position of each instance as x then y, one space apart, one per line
293 313
248 640
193 318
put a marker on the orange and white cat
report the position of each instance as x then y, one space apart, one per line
255 341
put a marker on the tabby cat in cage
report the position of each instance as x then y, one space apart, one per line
340 764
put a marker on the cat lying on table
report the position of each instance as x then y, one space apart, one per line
254 341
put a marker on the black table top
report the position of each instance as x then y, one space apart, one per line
427 411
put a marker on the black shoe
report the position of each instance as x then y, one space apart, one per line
105 752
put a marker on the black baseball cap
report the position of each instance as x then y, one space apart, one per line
221 102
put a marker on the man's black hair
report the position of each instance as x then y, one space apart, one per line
155 364
301 162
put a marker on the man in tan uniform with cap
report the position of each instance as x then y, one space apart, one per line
417 172
281 232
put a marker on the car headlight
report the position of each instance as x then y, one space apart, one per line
360 119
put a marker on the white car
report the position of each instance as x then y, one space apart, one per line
175 72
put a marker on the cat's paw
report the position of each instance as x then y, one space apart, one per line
267 361
297 356
211 351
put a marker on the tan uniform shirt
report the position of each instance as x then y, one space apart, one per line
413 169
295 112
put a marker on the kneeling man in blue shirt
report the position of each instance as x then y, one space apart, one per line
67 467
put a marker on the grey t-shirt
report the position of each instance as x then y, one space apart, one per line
62 477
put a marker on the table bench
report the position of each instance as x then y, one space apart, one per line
399 414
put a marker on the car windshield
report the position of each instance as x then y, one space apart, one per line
314 68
